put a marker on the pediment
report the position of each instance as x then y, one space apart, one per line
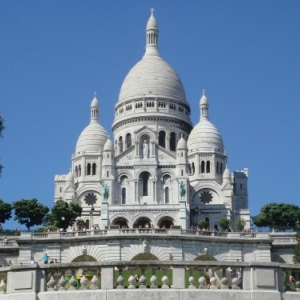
145 127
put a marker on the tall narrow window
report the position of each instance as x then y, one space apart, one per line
128 140
207 220
202 166
145 182
193 166
120 144
181 172
217 168
190 170
88 169
76 171
94 169
87 223
162 139
221 169
208 166
123 196
167 195
107 174
173 141
79 170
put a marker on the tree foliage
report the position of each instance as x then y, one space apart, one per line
80 223
296 257
240 224
280 216
64 214
30 212
224 223
5 211
202 224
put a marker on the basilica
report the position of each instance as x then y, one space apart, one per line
158 170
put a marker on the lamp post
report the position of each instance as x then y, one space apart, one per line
91 215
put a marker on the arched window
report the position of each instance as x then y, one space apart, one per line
202 166
107 174
162 139
167 195
181 154
173 141
217 168
123 201
193 167
94 169
76 171
207 220
221 169
79 170
181 172
208 166
88 169
190 170
145 182
87 223
128 140
120 144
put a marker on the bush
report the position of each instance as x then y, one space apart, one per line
240 224
145 256
202 224
224 223
205 257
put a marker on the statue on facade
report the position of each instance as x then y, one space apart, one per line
105 191
145 149
182 190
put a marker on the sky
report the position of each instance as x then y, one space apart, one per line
55 54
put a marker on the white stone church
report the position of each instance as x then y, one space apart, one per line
159 170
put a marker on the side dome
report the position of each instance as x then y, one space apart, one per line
108 146
94 136
205 135
92 139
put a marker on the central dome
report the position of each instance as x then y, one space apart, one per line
152 76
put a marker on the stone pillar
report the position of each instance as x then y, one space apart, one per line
83 169
100 159
178 277
107 277
168 141
197 164
154 191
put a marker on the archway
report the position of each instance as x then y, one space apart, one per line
165 222
142 222
122 222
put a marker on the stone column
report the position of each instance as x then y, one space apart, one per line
168 141
178 277
107 277
197 164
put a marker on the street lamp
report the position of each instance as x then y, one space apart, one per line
91 215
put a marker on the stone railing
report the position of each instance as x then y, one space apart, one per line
250 280
148 231
8 243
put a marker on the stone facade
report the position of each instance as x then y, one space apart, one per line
159 170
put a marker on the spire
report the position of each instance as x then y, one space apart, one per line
152 34
95 109
203 107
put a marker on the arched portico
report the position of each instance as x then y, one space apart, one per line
165 222
122 222
142 222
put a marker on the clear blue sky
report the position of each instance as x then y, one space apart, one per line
55 54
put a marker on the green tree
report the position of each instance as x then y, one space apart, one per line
5 211
80 223
224 223
64 214
240 224
202 224
1 128
280 216
30 212
296 257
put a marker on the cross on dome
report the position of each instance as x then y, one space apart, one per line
152 11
